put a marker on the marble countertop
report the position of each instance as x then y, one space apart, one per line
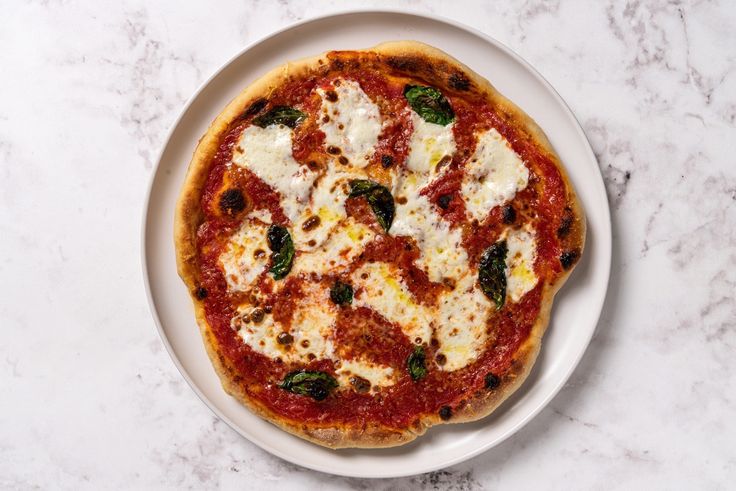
89 397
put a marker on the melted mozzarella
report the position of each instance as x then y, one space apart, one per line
313 322
377 375
261 214
441 254
493 176
460 325
354 122
522 252
312 325
261 337
429 144
345 243
246 255
383 290
327 203
267 153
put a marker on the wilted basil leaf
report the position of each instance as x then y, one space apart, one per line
316 385
415 364
341 293
280 243
492 273
288 116
378 196
430 104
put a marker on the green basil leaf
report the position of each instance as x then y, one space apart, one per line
341 293
430 104
492 272
279 240
379 197
316 385
288 116
415 364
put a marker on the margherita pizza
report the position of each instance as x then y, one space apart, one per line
372 240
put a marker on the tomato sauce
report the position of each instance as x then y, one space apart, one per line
360 330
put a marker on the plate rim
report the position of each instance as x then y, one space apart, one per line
605 242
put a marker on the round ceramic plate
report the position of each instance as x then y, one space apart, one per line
576 308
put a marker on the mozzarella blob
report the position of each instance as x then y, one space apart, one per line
267 153
493 176
350 121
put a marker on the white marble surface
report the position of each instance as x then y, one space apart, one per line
89 399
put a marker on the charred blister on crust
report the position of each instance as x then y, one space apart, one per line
459 81
565 223
568 258
201 293
445 413
404 63
232 202
255 108
492 381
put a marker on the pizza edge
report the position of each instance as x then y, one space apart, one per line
411 56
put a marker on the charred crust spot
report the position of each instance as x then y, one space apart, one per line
568 258
404 63
255 107
444 201
331 96
565 224
459 81
509 214
492 381
200 293
387 161
232 201
445 413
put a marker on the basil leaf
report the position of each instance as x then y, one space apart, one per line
492 273
288 116
430 104
316 385
280 243
378 196
341 293
415 364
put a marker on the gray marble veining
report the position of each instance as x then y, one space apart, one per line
90 399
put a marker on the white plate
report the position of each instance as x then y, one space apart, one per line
577 307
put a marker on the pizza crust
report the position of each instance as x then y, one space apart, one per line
441 70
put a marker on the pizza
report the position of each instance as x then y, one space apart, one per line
372 241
